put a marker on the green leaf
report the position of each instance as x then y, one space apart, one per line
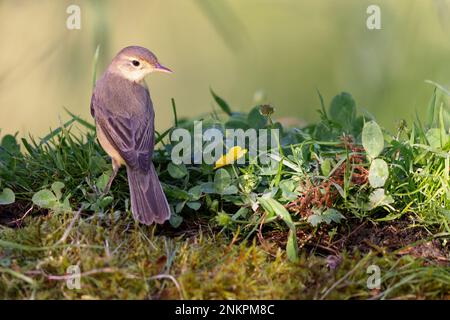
222 180
255 119
242 212
222 103
378 198
213 206
105 201
28 147
322 105
174 109
372 139
332 215
161 136
97 165
326 167
179 206
236 124
175 220
390 217
232 189
195 193
174 192
292 247
65 205
7 196
273 206
223 219
287 188
194 205
328 216
56 188
378 173
436 138
94 65
45 199
102 181
358 125
315 219
440 87
177 171
343 110
445 213
431 112
208 187
84 123
55 132
9 143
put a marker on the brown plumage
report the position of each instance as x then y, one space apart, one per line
124 118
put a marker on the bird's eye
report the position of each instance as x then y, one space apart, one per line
135 63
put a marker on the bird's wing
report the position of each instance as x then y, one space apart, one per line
130 132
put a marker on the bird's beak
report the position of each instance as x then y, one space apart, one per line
161 68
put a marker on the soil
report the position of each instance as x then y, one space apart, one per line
395 236
12 215
387 237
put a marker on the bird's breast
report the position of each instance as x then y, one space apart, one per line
108 147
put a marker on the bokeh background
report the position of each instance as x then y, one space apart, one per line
279 51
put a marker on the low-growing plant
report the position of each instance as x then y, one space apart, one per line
343 167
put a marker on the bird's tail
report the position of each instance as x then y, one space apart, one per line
148 202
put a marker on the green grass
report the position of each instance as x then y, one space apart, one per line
241 231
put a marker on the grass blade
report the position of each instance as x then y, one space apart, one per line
174 108
94 66
222 103
86 124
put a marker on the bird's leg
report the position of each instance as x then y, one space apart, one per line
115 167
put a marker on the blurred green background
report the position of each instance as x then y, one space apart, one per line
278 51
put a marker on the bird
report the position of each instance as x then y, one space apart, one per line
124 120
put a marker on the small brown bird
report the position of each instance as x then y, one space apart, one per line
124 117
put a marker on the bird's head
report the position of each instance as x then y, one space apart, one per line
134 63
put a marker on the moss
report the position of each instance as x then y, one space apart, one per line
122 260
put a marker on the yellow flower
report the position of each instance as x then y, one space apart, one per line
232 155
